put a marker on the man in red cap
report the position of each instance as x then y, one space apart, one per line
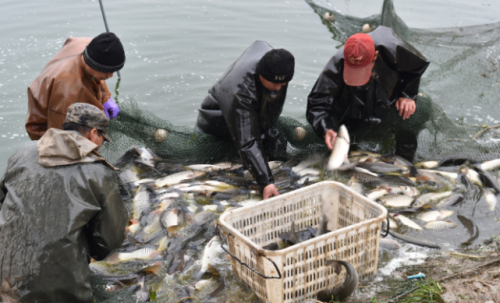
369 78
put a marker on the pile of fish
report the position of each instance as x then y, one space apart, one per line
172 252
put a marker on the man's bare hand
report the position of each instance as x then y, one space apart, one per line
406 107
330 137
270 191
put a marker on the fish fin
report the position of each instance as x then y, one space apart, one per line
425 206
370 159
152 268
134 221
422 179
413 171
133 240
113 259
212 270
383 186
155 254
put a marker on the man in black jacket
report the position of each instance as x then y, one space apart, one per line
369 78
244 105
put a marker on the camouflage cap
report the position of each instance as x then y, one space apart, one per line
90 116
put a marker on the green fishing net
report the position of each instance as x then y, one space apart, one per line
459 100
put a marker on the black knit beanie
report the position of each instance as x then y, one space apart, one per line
105 53
277 66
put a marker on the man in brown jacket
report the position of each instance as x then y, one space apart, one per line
75 74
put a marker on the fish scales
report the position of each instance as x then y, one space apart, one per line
440 225
430 197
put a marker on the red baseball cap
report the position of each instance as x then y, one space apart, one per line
359 51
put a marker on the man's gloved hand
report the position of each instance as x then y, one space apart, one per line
111 109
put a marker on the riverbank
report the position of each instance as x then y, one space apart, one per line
470 274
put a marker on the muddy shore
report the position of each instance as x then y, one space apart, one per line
470 274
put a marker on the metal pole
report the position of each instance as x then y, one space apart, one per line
107 28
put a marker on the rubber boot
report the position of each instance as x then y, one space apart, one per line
406 145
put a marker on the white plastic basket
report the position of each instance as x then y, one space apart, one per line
298 272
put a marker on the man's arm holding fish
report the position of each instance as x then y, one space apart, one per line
106 230
244 124
321 99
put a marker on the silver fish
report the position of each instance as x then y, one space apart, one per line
148 157
448 175
427 164
430 197
406 221
365 171
309 172
490 165
410 191
440 225
435 215
210 257
340 149
141 254
472 175
384 168
491 199
450 201
178 178
397 201
377 193
205 167
274 164
471 227
306 163
308 179
142 202
365 152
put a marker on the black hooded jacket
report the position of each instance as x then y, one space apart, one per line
397 72
239 108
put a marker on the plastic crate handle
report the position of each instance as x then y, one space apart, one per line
246 265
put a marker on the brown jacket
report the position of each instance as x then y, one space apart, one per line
63 81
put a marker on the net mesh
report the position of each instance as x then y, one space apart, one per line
459 83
